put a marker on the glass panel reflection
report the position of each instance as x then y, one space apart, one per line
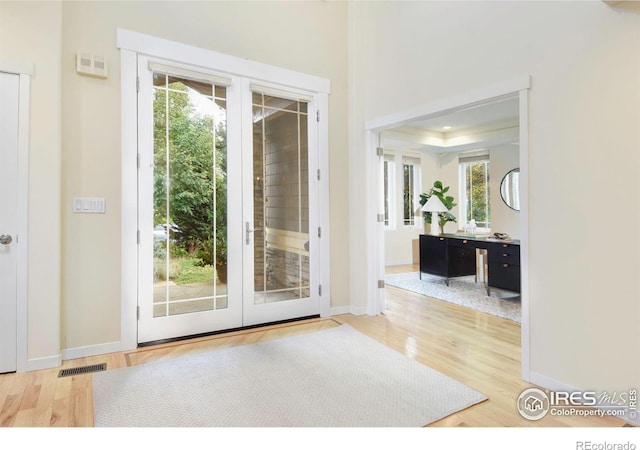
281 200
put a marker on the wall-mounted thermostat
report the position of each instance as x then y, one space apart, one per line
92 65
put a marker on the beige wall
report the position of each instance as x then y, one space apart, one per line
301 36
30 33
503 219
584 62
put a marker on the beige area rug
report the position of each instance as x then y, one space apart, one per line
331 378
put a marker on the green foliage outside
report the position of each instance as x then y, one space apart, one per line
477 182
194 170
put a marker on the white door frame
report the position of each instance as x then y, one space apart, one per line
131 44
24 71
516 86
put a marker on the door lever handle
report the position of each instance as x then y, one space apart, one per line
248 231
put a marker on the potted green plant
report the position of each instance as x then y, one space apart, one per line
440 191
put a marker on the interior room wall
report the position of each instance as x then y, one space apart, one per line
447 165
31 34
584 62
303 36
503 219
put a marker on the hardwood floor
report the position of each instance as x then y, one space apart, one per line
474 348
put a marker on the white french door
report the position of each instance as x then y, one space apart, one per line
9 104
225 202
280 204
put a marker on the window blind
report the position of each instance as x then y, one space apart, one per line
473 158
217 80
280 93
411 160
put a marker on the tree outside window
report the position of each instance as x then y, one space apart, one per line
475 188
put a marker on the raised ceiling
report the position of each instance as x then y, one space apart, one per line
489 124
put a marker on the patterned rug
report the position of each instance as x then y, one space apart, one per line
463 291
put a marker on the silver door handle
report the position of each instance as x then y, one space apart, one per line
248 231
5 239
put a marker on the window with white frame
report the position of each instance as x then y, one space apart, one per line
411 184
388 182
474 191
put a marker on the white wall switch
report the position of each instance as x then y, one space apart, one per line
89 205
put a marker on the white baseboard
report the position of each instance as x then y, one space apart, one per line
549 383
91 350
358 310
558 386
348 309
402 262
336 311
48 362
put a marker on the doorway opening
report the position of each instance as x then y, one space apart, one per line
425 132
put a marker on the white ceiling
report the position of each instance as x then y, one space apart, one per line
478 126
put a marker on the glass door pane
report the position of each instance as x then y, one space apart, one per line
280 199
189 196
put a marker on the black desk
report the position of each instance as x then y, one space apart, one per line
451 256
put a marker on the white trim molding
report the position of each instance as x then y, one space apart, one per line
450 104
196 56
128 198
91 350
47 362
17 67
23 224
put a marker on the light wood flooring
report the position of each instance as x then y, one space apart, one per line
479 350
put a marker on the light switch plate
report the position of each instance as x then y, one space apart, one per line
89 205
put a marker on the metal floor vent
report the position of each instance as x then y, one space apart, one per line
82 370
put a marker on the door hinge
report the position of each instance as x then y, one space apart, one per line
379 151
318 174
137 84
380 284
380 218
320 290
319 232
317 115
138 236
137 312
138 159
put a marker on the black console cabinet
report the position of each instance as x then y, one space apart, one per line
504 265
451 256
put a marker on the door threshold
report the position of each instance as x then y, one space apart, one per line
228 330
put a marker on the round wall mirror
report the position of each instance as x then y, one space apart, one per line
510 189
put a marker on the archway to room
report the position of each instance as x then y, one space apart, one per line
415 147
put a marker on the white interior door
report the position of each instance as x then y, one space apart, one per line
228 227
9 102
